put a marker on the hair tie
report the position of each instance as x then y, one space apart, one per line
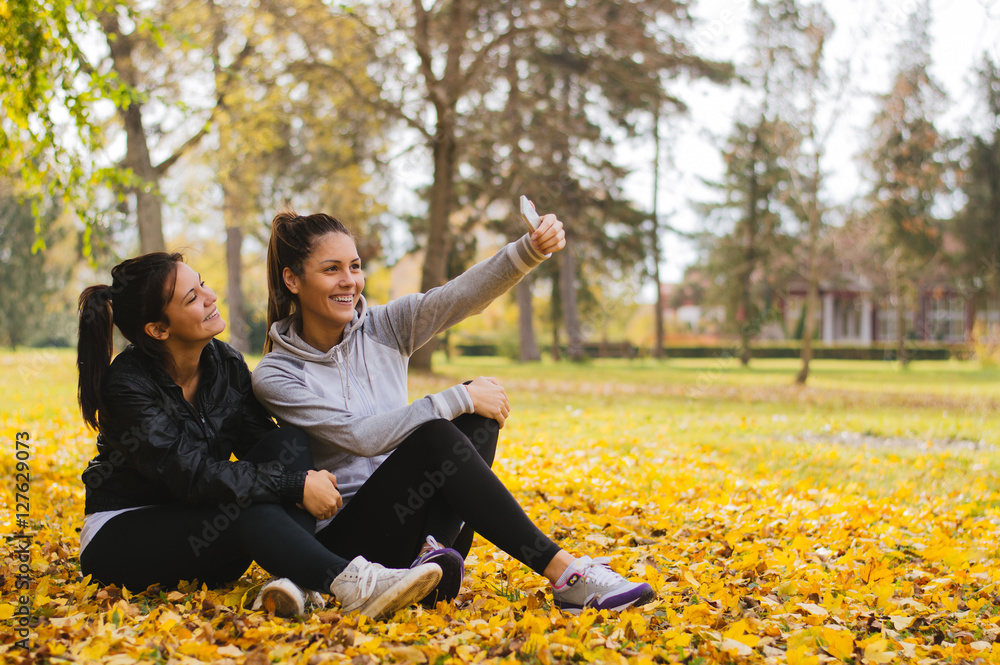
107 295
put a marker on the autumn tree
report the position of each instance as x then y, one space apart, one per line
27 280
49 131
570 93
744 257
979 177
161 119
796 37
275 130
756 187
454 51
286 132
907 166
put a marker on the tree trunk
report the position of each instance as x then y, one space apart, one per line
555 314
148 207
747 326
812 299
439 234
567 260
658 341
815 219
238 327
901 354
571 316
655 240
525 321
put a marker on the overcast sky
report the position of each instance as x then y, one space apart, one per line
866 34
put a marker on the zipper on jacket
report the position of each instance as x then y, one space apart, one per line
206 429
209 433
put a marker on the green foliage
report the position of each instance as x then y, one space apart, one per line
48 91
27 283
749 258
979 177
907 159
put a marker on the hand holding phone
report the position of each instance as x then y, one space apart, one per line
529 214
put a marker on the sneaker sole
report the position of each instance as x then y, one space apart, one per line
415 585
279 603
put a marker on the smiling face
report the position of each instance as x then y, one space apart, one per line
328 289
192 313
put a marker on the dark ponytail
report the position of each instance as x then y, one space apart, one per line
94 348
292 240
139 292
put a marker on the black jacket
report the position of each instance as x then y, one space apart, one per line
154 447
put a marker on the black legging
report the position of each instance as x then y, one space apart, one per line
437 478
429 485
168 543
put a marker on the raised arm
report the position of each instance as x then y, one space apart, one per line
416 318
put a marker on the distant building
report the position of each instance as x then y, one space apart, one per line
684 313
850 313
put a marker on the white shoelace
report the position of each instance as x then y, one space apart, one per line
598 571
367 579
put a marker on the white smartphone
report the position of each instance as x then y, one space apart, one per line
529 214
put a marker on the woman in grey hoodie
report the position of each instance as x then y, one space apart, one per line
410 474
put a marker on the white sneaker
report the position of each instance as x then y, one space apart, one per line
284 598
591 583
376 591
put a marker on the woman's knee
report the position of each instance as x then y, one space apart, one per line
482 432
440 439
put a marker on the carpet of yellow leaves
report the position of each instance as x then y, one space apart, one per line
761 548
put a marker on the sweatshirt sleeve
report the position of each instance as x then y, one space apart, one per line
282 389
416 318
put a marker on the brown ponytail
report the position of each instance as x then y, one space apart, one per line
292 240
139 293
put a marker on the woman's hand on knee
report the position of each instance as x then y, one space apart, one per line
320 497
489 398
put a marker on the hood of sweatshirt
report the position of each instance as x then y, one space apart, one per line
285 336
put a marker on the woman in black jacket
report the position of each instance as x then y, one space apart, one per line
165 501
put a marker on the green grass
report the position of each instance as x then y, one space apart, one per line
738 418
933 427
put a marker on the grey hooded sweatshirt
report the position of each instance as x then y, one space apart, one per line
352 401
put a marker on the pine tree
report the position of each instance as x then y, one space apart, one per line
908 165
744 258
976 224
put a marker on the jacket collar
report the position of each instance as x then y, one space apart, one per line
210 359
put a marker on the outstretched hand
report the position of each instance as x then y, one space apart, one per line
489 398
549 237
320 497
